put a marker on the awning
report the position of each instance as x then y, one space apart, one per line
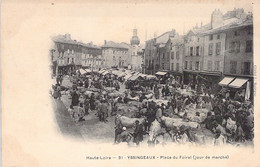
161 73
238 82
226 81
134 77
82 71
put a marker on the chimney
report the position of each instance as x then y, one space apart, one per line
67 36
105 42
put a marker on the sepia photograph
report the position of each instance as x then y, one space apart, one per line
193 86
130 83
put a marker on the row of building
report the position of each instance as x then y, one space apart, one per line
223 47
68 55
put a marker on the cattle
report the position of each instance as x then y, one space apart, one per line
178 122
128 122
155 131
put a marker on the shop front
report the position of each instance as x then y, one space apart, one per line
239 87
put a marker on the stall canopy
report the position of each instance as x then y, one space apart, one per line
226 81
82 71
151 77
135 77
238 82
161 73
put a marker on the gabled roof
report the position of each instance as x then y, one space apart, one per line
63 39
231 24
162 39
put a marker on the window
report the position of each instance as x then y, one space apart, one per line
218 48
249 45
236 33
191 65
191 51
211 37
163 56
72 51
163 66
168 56
68 60
62 46
234 46
68 51
172 55
172 66
197 51
209 65
197 65
246 68
211 49
186 65
218 36
198 39
177 67
177 55
233 67
216 65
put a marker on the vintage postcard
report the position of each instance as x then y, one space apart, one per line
130 83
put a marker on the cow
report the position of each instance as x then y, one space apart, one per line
155 131
128 122
178 122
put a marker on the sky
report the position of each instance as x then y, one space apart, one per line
97 22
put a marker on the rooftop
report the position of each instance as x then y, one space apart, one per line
66 39
111 44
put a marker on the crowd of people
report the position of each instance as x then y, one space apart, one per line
227 119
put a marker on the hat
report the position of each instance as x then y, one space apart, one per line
124 128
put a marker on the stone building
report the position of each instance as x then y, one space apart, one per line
116 54
176 52
69 55
91 56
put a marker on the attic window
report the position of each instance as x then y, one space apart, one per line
218 36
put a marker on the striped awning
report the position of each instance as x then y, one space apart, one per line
238 82
226 81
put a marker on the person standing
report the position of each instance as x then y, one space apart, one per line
75 98
92 102
138 133
86 105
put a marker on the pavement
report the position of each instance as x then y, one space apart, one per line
88 130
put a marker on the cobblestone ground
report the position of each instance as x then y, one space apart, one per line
91 129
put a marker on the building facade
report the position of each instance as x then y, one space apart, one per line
116 54
69 55
92 57
151 61
193 55
176 53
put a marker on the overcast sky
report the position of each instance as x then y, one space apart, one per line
98 22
